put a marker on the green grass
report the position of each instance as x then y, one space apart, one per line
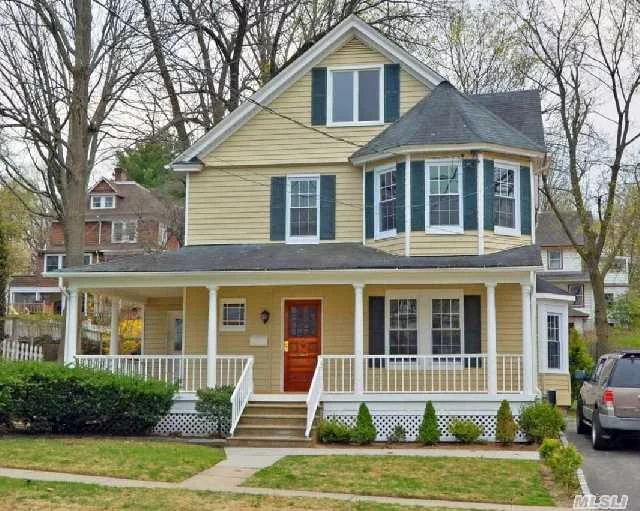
131 459
624 338
517 482
19 495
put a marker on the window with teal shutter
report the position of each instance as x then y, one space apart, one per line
400 177
488 194
278 208
327 207
319 96
391 92
525 200
369 228
470 191
417 195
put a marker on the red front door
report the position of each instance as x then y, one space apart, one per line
301 343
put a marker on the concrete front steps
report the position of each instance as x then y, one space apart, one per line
272 424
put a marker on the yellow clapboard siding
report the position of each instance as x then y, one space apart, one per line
393 245
560 382
495 242
156 324
423 244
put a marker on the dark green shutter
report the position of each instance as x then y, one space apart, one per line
470 193
278 208
417 195
488 194
400 177
376 329
472 327
327 207
319 96
368 205
525 200
391 92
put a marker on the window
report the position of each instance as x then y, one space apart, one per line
446 332
303 209
124 232
355 96
554 259
626 373
53 262
444 210
102 202
505 200
619 265
385 218
577 290
403 326
234 314
553 341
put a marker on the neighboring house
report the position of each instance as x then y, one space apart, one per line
564 267
360 231
122 218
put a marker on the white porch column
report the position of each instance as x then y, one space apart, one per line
492 365
212 336
358 338
71 327
115 320
527 345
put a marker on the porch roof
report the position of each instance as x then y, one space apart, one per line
283 257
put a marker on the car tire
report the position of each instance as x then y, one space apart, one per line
598 442
581 427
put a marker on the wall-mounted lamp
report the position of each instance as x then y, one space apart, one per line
265 315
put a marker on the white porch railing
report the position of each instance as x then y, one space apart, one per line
510 373
315 393
338 372
17 350
241 394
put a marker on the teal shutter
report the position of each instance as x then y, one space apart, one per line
417 195
391 92
472 328
525 200
319 96
368 205
278 208
376 329
400 177
327 207
470 193
488 194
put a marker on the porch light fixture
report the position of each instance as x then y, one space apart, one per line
265 315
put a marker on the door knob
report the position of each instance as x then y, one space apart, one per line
286 346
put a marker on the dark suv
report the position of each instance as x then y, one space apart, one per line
609 399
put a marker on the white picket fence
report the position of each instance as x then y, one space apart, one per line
16 350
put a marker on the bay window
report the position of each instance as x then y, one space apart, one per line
505 199
385 196
444 197
355 96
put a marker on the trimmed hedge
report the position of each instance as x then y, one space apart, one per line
215 404
49 398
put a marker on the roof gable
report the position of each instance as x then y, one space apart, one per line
551 233
103 186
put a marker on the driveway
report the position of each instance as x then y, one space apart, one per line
616 471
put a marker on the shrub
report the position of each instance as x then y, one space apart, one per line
562 460
540 420
579 358
51 398
465 431
548 448
428 433
333 432
364 431
215 404
399 434
506 427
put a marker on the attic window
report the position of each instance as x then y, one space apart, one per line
355 96
103 202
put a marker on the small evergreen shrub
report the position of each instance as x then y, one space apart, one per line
548 448
399 434
563 462
506 427
333 431
579 358
428 433
215 404
465 431
364 431
540 420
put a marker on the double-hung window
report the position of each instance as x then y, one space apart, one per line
385 213
577 290
446 329
553 341
506 217
355 96
303 209
554 259
53 262
124 232
403 326
102 202
444 197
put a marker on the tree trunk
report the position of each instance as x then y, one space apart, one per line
601 316
4 276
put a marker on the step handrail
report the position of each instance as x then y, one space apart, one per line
241 394
314 396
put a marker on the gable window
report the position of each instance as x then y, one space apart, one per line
444 190
577 290
554 259
385 213
355 96
303 209
553 341
234 314
446 330
102 202
505 199
403 326
124 232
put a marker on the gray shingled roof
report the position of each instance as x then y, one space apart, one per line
550 233
544 286
575 313
282 257
446 116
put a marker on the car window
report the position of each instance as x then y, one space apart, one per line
597 370
606 371
626 373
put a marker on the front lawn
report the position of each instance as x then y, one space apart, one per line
132 459
19 495
467 479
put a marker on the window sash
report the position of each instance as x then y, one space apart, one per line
505 197
553 341
386 196
348 102
52 266
446 326
554 259
303 208
124 232
102 202
403 326
443 196
234 314
577 290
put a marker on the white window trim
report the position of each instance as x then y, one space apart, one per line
362 67
584 298
443 229
549 259
102 197
300 240
560 310
233 328
378 234
509 231
125 222
59 258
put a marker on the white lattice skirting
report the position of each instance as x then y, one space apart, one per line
185 424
